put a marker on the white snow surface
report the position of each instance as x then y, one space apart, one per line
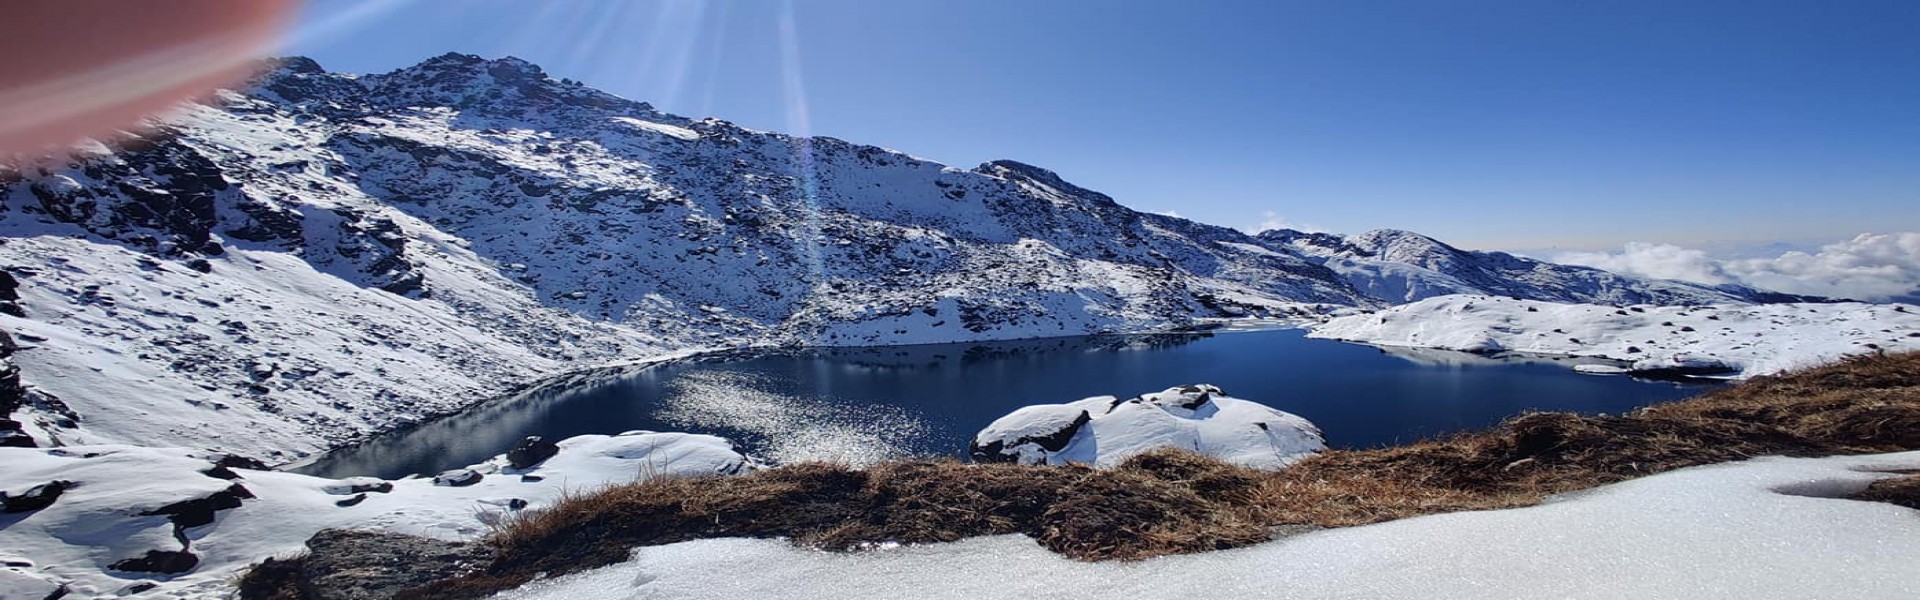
1748 339
1760 529
670 130
98 522
1104 431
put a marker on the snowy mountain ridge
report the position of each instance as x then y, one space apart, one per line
1402 266
324 256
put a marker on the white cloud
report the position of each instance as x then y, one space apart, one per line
1659 261
1868 267
1270 220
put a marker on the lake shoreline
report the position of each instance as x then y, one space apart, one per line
933 397
1863 405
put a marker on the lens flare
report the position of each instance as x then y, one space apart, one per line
800 125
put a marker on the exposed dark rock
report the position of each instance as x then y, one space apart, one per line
1684 373
350 501
35 498
159 561
200 511
458 478
136 587
998 450
357 565
12 394
235 461
531 451
16 439
219 472
379 488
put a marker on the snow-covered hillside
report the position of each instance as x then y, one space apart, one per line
325 256
1732 340
1402 266
116 520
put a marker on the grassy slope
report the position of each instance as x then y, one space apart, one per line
1173 502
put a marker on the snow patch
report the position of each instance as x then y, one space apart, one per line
661 128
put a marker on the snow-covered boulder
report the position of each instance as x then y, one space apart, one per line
531 451
458 477
1682 365
183 521
1104 430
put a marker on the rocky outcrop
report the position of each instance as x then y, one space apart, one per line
530 452
1043 430
12 393
159 561
360 565
458 478
34 498
187 514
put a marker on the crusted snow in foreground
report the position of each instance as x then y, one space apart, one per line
1748 340
1765 528
98 522
1105 431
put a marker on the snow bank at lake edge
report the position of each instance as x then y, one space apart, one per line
1747 340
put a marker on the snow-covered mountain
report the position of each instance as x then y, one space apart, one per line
322 256
1401 266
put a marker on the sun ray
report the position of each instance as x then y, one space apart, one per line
800 127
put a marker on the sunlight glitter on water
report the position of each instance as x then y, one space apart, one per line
787 429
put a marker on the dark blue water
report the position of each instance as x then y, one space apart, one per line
862 404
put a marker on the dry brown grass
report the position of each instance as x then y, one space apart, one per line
1859 405
1158 503
1172 502
1902 491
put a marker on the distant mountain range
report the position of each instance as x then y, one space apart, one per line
323 255
1402 266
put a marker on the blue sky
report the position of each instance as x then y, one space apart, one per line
1522 125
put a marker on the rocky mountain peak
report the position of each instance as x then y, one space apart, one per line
295 64
1018 171
1314 242
506 86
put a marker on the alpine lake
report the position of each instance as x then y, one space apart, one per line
859 405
